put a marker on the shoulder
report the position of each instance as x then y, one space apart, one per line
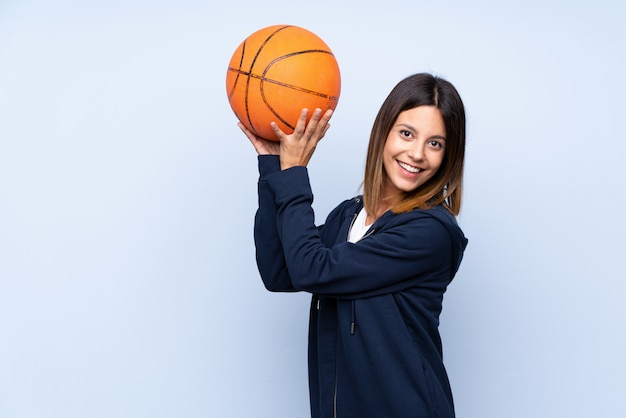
347 207
442 214
342 213
443 223
438 213
434 221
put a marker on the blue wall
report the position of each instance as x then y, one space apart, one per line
127 279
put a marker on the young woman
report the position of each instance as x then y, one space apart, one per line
379 266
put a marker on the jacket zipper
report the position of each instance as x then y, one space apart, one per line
370 232
351 225
352 325
335 392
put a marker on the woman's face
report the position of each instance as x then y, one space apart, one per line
414 149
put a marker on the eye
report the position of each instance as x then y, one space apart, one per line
404 133
435 144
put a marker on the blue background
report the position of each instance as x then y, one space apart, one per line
128 286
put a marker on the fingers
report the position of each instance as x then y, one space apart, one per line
256 143
297 148
316 127
301 125
249 134
324 124
277 131
262 146
318 124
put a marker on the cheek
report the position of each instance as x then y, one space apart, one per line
439 168
437 160
385 168
387 157
439 163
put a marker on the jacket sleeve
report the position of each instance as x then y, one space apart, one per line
269 251
404 255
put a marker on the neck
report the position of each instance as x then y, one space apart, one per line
381 208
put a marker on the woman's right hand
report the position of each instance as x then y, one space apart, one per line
297 148
262 146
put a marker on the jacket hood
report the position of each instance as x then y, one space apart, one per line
458 239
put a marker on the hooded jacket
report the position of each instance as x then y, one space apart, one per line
374 344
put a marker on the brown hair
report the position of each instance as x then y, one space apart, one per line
445 187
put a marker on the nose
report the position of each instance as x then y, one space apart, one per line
416 151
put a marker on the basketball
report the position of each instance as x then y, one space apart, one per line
275 73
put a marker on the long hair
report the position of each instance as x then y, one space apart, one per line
445 187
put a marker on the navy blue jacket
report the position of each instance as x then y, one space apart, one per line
374 344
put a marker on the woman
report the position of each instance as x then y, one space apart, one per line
379 266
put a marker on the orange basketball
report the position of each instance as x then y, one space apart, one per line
275 73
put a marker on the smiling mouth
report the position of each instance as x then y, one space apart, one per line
410 168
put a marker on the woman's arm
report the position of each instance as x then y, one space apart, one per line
291 150
269 251
404 255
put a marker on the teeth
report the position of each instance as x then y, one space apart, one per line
409 168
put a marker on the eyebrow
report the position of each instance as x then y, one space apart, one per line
411 128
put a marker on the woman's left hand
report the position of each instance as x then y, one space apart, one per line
297 149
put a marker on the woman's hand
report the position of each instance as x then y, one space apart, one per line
297 149
262 146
